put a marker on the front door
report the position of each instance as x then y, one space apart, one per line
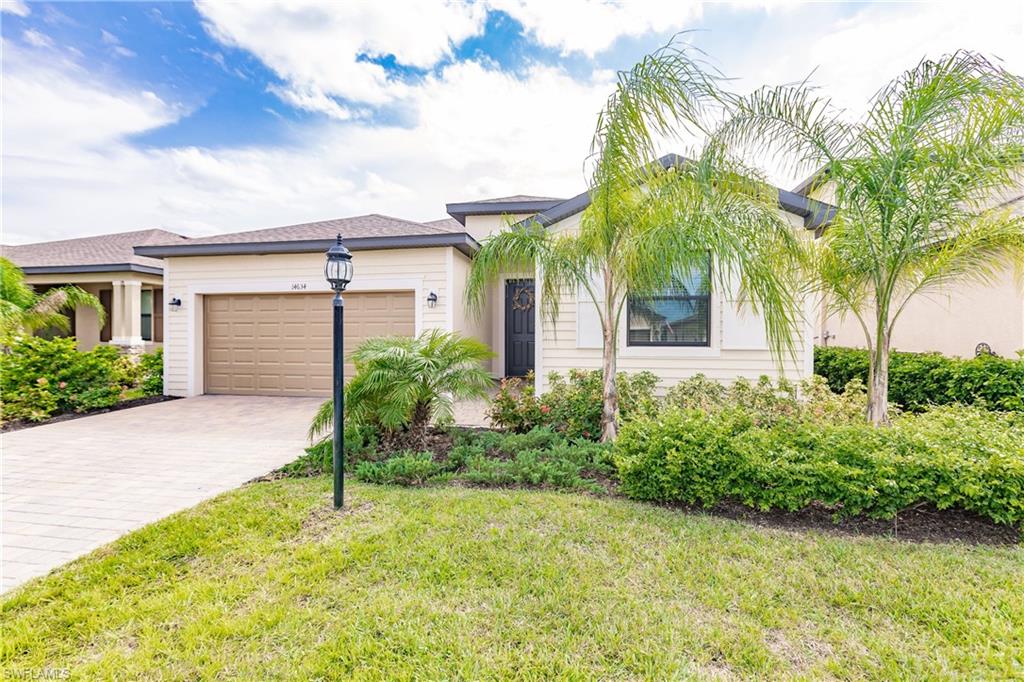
519 327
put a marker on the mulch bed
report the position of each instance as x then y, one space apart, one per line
922 523
123 405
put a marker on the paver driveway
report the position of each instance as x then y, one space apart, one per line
73 486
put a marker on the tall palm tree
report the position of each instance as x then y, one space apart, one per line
650 219
913 182
23 311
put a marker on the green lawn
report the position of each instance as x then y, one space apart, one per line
447 582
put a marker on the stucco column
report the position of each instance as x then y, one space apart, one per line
117 312
127 313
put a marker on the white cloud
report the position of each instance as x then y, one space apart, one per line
114 44
315 46
14 7
591 26
37 39
852 57
474 132
479 132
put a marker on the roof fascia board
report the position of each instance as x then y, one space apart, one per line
815 213
103 267
459 211
458 240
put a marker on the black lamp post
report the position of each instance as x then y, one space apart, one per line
338 272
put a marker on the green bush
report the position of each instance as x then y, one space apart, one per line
539 457
768 403
151 368
360 446
917 380
965 458
410 468
515 406
41 377
572 405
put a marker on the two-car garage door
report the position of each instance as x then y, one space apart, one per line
280 344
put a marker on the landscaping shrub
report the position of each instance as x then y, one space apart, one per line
410 468
151 367
572 405
768 403
539 457
917 380
964 458
41 377
360 446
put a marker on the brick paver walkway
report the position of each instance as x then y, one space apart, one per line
70 487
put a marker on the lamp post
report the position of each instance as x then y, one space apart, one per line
338 272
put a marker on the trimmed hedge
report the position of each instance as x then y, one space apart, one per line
917 380
965 458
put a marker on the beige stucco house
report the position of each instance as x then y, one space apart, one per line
249 312
953 320
129 286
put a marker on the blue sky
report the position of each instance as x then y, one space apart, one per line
219 117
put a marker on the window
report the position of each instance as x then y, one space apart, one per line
106 300
680 315
147 314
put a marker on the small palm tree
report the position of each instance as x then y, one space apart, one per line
650 219
914 181
403 384
23 311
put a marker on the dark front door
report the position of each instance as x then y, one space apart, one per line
519 327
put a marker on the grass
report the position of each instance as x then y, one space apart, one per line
449 583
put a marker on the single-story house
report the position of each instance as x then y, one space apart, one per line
958 319
129 286
249 312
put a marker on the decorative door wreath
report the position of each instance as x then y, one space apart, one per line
522 298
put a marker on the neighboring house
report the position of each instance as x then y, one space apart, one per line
952 320
129 286
249 312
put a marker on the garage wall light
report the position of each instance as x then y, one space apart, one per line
432 299
175 303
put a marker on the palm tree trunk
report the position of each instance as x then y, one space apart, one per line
610 393
878 379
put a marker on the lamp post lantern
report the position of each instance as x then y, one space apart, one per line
338 272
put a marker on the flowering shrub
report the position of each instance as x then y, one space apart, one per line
767 403
151 369
572 405
40 377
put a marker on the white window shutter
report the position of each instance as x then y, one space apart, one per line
742 328
588 322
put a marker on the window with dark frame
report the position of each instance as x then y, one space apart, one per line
106 300
147 314
679 315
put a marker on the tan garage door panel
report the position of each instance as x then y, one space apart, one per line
270 344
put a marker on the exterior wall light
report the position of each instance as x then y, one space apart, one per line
175 303
432 299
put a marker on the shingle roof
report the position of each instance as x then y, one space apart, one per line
371 225
449 224
101 250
